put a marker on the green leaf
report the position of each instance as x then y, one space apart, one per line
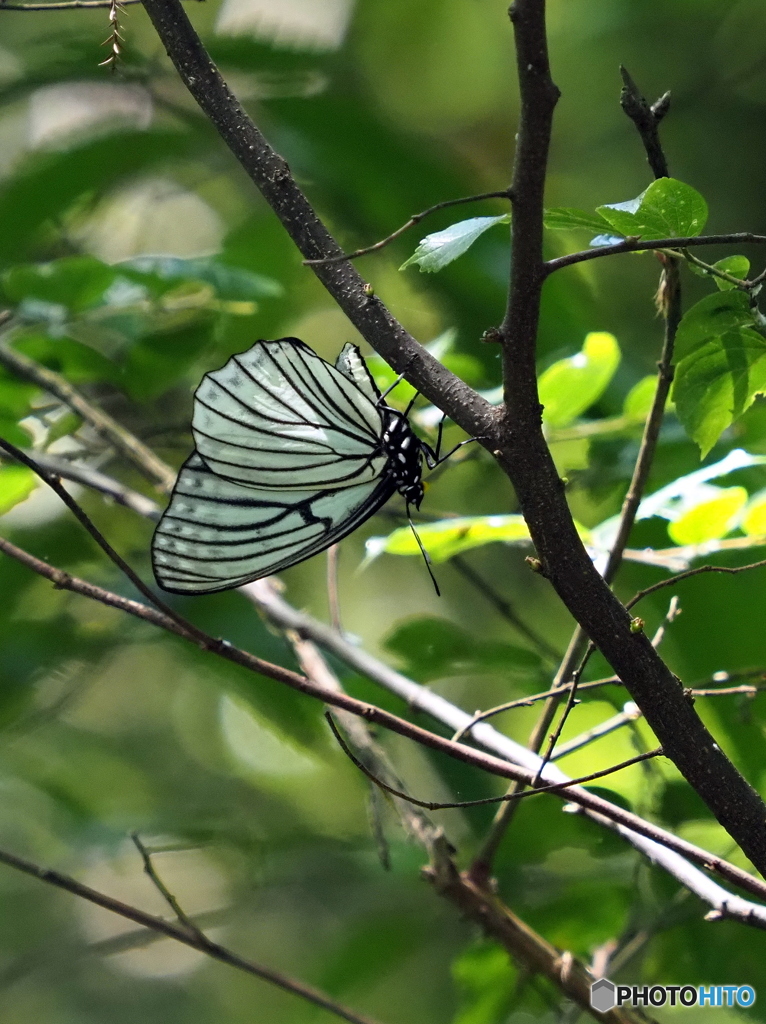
230 283
667 209
754 516
711 317
75 282
737 266
718 382
450 537
79 363
669 501
712 518
563 218
485 979
46 185
571 386
430 647
638 401
16 484
435 251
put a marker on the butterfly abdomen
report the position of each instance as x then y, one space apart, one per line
403 451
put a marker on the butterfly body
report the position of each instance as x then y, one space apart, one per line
292 454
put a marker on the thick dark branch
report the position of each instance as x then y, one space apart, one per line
527 460
195 939
272 176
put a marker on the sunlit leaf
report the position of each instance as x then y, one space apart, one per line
435 251
667 209
571 386
16 484
715 516
753 521
718 382
450 537
666 502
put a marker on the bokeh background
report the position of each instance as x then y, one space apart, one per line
382 108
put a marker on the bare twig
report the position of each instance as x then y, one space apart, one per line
415 219
432 805
55 484
180 933
163 890
631 713
637 245
503 607
126 443
727 569
80 473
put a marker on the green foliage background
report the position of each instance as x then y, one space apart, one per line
108 726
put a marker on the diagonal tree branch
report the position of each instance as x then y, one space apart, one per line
524 455
624 820
270 173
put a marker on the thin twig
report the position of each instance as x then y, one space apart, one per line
415 219
55 484
163 890
631 713
333 597
503 606
180 933
80 473
126 443
431 805
729 570
635 244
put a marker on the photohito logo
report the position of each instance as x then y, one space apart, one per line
605 995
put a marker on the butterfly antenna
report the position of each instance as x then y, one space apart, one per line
424 553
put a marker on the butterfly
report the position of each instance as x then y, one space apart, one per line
292 454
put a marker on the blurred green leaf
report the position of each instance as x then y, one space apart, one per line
16 484
571 386
716 515
437 250
431 647
79 363
718 382
75 282
638 401
46 185
231 283
568 219
667 209
485 979
710 318
754 516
